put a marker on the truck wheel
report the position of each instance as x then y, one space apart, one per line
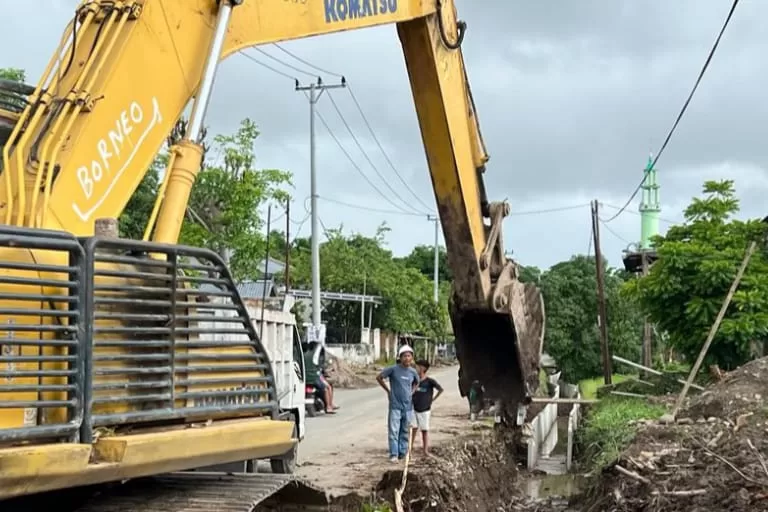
286 464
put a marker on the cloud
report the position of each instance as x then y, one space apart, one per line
572 96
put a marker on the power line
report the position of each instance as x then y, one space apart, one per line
520 213
267 66
381 148
365 153
346 124
682 111
549 210
270 56
306 62
613 206
354 164
368 208
605 225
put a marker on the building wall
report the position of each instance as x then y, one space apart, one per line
355 353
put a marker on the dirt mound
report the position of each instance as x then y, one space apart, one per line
714 458
473 474
343 375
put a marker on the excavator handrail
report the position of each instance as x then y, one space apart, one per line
77 311
186 329
64 321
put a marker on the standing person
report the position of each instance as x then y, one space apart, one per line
422 401
403 381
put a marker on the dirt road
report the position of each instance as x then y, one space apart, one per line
348 451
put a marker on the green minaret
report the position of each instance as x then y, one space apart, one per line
650 207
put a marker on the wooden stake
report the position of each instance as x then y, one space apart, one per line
712 332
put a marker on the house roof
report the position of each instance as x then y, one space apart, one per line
257 289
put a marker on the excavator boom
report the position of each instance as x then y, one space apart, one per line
77 146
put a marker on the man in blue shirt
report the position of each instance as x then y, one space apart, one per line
403 381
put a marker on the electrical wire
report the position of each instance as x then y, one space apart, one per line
549 210
268 55
368 208
381 148
306 62
352 161
618 236
682 111
346 124
267 66
365 153
613 206
362 114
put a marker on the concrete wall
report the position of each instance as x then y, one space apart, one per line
355 353
543 430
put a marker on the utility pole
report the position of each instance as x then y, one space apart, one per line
315 92
287 245
362 308
436 277
601 309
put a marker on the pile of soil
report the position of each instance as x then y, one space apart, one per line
472 474
715 457
343 375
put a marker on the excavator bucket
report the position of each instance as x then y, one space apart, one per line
502 349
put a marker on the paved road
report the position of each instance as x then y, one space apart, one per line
338 447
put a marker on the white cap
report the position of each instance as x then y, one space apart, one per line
404 348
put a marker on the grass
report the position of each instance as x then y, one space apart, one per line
607 430
589 387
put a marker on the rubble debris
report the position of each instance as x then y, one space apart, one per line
713 457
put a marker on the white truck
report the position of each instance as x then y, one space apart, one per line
279 335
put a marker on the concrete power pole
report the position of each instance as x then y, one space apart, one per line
436 276
315 92
601 308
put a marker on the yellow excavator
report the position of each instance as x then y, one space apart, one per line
111 367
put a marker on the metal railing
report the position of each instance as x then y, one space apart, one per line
171 338
104 332
42 364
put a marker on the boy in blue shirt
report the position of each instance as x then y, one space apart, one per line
403 381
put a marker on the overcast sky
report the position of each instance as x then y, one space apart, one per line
572 97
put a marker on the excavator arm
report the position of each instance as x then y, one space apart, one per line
124 73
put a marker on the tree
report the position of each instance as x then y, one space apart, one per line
351 263
13 74
223 211
571 334
226 199
697 262
422 258
529 274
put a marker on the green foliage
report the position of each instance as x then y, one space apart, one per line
608 429
223 213
698 261
422 258
15 74
571 335
135 216
589 387
226 199
356 263
529 274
